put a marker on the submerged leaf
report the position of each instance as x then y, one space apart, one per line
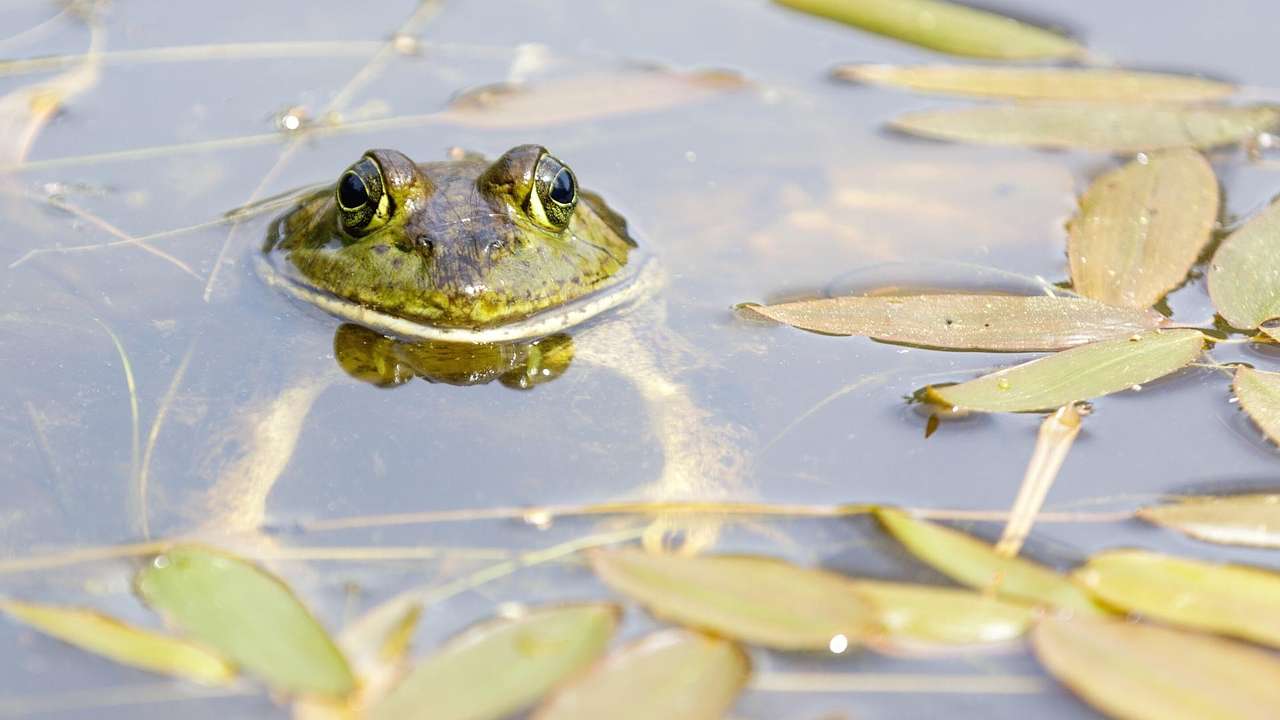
1083 84
501 666
1057 434
966 322
1244 277
1143 672
1259 395
106 636
946 27
972 562
924 615
1234 520
672 674
1109 127
587 97
1078 374
1140 228
1228 599
755 599
248 615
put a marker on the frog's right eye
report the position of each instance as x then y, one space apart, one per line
363 202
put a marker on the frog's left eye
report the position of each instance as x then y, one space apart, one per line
555 193
363 203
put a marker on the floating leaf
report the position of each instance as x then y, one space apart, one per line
1228 599
1083 84
972 562
1235 520
672 674
106 636
914 615
501 666
1109 127
1259 395
755 599
1244 277
249 616
1140 228
1143 672
1080 373
966 322
945 27
587 97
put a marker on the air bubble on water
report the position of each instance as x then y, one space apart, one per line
406 44
512 610
690 156
540 519
838 644
1135 387
161 562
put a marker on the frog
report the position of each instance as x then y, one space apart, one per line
465 271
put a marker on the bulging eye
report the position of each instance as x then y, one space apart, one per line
363 203
555 193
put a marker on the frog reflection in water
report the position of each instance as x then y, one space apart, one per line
464 271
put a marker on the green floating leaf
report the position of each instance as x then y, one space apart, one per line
1140 228
945 27
1236 520
998 323
502 666
1077 374
106 636
1143 672
1228 599
1244 277
923 615
972 562
672 674
249 616
1061 84
1259 395
754 599
1108 128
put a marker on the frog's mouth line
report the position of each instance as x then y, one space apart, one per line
641 275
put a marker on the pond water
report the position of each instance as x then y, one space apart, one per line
786 188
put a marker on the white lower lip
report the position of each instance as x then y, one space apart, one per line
643 275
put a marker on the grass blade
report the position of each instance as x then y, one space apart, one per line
972 562
111 638
945 27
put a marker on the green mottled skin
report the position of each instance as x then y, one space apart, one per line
460 248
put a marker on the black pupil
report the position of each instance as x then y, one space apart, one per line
562 187
351 192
